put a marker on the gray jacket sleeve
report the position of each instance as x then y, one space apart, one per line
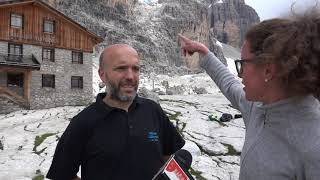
312 165
309 144
229 85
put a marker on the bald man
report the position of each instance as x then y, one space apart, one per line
121 136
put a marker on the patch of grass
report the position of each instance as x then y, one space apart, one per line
38 140
174 117
231 150
183 126
215 118
197 174
180 101
39 175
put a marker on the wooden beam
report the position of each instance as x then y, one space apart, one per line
15 4
12 69
48 45
16 98
26 85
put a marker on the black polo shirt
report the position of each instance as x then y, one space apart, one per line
112 144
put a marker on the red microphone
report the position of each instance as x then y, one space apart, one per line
176 168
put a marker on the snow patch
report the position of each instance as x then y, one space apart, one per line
219 44
148 1
232 66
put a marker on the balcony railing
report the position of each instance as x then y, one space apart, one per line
28 61
14 58
45 38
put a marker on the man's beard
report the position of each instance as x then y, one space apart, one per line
113 91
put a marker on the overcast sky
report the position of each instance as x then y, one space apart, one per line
274 8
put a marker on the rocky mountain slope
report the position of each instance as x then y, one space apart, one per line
230 19
151 26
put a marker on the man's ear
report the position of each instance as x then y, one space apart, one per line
102 75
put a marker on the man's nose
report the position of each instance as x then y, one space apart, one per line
130 73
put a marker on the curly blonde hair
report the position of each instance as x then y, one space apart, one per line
294 45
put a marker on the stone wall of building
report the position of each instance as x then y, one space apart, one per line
63 69
3 47
7 106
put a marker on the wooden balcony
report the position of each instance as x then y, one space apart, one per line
21 61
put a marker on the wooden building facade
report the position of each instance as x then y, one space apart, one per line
36 42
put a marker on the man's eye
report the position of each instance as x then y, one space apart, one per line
121 68
136 68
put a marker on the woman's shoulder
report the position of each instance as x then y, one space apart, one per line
304 132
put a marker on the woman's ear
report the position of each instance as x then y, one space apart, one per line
270 70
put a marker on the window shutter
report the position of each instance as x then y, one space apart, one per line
22 20
54 81
81 56
43 24
54 26
42 53
53 55
21 50
42 80
9 49
10 19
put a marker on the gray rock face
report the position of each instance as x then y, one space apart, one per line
231 19
1 146
175 90
145 93
200 90
153 28
216 49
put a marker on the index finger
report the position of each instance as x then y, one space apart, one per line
183 38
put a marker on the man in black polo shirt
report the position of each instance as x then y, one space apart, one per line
121 136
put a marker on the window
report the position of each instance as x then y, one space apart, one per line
76 82
15 49
16 20
48 26
77 57
48 54
15 52
48 80
15 80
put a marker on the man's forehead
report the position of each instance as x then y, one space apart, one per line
118 48
125 60
119 53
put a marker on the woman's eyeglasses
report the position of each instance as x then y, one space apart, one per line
239 63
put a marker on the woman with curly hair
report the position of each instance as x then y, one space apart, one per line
280 71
